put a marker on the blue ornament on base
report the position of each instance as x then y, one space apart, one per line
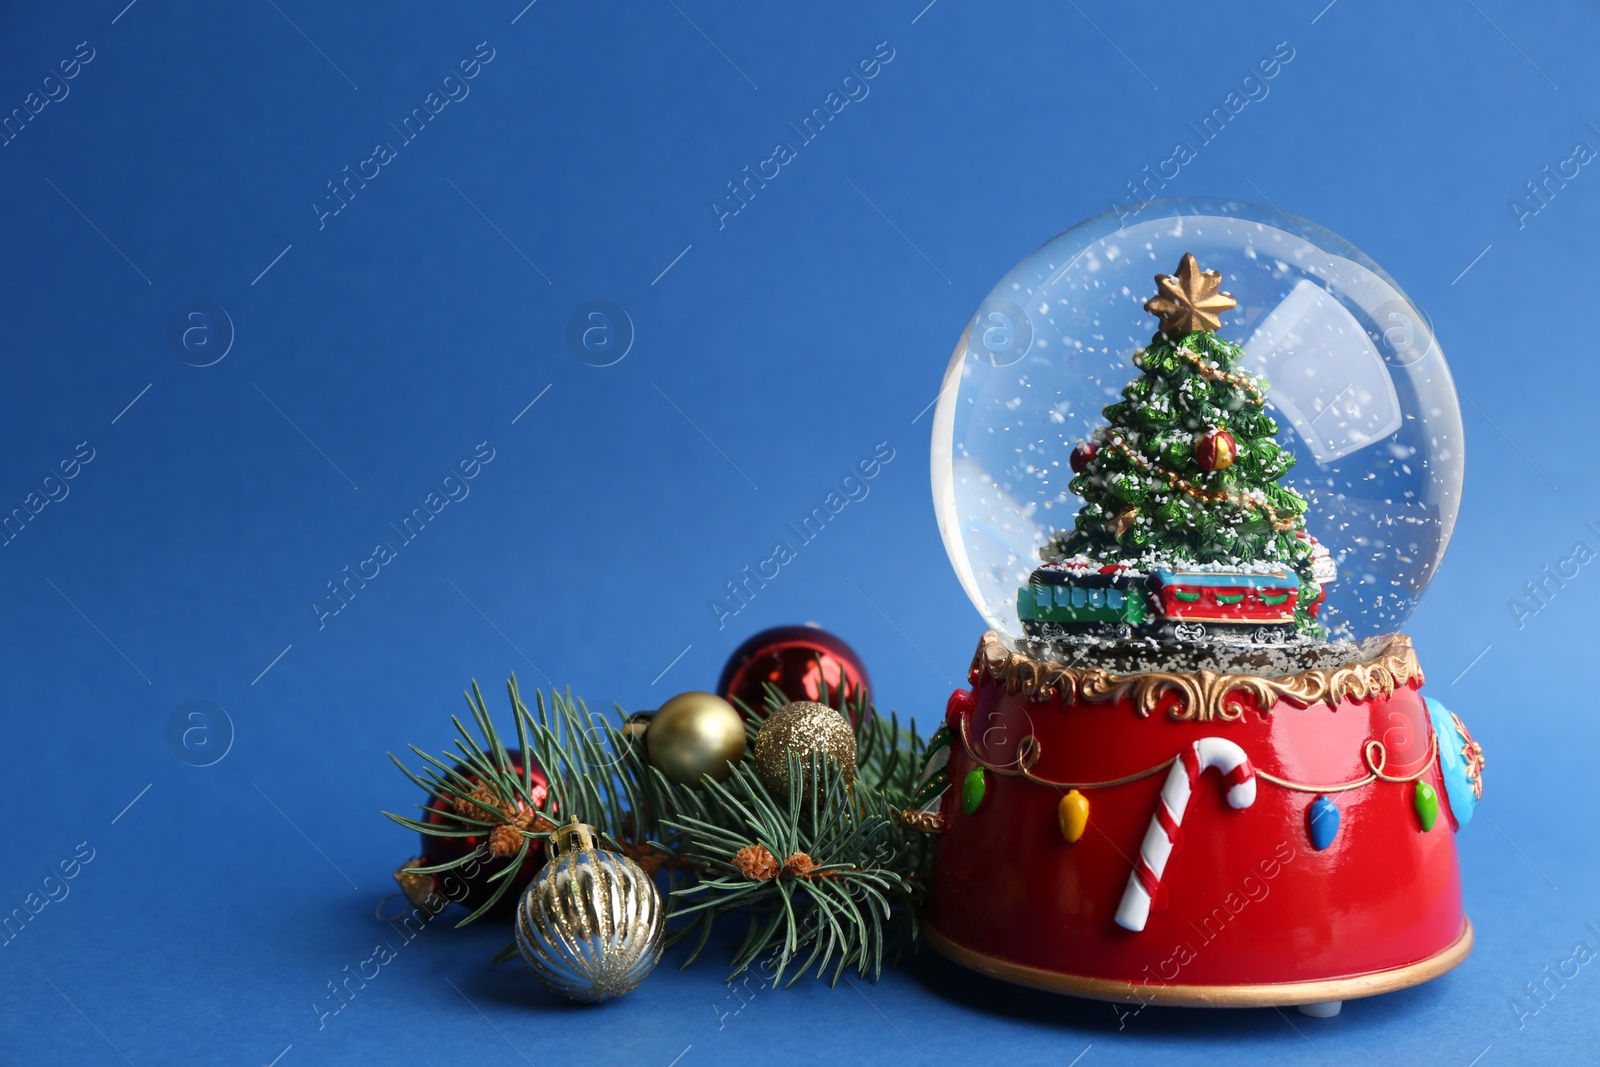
1460 762
1322 822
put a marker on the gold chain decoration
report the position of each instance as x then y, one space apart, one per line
1201 696
1212 373
1374 754
1210 496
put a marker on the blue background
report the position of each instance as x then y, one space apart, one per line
371 354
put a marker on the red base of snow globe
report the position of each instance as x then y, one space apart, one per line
1199 838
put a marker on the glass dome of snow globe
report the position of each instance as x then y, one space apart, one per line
1358 458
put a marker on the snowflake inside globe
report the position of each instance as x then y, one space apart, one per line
1207 427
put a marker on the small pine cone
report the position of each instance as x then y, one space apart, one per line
504 841
756 863
482 802
798 865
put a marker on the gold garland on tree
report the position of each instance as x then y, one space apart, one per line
1120 525
1212 373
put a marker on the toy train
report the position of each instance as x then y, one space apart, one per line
1115 600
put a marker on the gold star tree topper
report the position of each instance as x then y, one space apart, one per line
1190 300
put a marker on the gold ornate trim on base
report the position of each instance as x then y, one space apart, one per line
1201 696
1275 994
924 822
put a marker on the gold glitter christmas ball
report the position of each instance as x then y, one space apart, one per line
693 735
804 728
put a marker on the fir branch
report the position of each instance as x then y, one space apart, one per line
471 794
845 877
834 892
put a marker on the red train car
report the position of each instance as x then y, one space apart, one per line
1193 600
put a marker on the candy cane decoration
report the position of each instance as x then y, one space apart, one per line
1237 775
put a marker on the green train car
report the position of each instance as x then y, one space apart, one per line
1098 599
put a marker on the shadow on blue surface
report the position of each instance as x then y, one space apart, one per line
955 985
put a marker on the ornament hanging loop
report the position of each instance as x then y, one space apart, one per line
573 837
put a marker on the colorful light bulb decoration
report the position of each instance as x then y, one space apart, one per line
1322 823
1072 814
1195 508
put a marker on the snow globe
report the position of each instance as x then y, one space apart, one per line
1195 462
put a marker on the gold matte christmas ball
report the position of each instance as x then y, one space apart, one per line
695 734
802 728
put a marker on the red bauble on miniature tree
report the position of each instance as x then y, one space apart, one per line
803 662
1216 450
1082 456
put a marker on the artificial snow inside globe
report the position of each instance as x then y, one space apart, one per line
1195 462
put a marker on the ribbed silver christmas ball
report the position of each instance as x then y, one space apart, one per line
591 925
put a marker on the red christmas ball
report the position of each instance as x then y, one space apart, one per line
805 662
1081 456
1216 450
469 884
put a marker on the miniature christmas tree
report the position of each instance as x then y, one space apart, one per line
1187 470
